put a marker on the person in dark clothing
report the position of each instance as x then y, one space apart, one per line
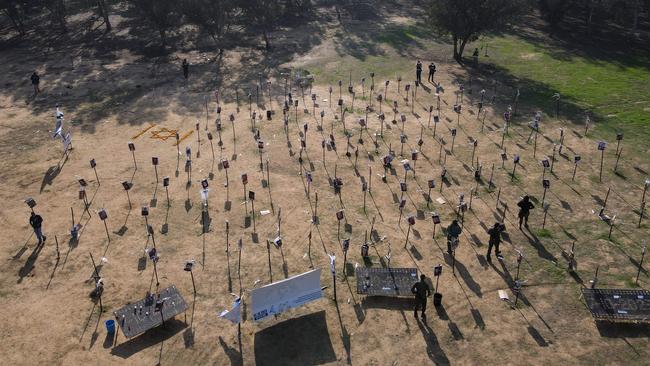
524 210
421 291
432 71
418 71
186 69
453 232
495 240
475 57
36 80
36 221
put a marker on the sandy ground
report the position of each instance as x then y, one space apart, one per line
48 316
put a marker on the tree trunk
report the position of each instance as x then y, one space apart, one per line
103 12
163 37
13 15
456 57
635 21
462 49
267 42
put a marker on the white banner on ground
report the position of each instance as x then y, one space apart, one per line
280 296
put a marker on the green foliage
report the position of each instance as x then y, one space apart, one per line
466 20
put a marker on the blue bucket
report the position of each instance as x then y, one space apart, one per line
110 326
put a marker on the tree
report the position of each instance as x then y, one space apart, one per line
555 10
466 20
14 10
58 12
263 14
103 10
160 14
214 17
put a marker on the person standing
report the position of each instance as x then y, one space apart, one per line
495 240
421 291
36 221
453 232
524 210
36 80
418 71
432 72
475 57
186 69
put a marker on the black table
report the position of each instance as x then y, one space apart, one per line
393 282
620 305
138 317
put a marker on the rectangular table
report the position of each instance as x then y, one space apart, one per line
624 305
138 317
391 282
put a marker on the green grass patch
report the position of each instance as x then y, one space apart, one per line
615 91
543 233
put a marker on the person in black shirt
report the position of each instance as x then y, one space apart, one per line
495 240
186 69
432 71
421 291
475 57
453 232
418 71
524 210
36 221
36 80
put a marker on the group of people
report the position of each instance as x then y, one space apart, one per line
418 72
421 289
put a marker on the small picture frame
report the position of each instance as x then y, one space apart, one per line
436 218
546 183
364 187
82 182
30 202
414 155
516 159
126 185
504 156
103 215
339 215
546 163
619 136
244 178
251 195
93 163
145 211
437 270
131 146
165 181
345 243
402 139
204 183
602 145
402 186
453 132
260 144
154 160
402 204
210 136
436 119
576 159
411 220
226 164
432 183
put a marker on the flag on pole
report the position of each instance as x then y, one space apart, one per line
234 314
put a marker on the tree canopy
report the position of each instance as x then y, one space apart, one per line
466 20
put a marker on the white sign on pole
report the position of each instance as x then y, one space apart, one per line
234 314
280 296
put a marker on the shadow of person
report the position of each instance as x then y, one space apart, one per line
465 275
51 173
435 353
233 355
26 269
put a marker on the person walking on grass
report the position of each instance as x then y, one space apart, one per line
418 71
36 221
36 80
432 72
421 291
524 210
186 69
495 240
